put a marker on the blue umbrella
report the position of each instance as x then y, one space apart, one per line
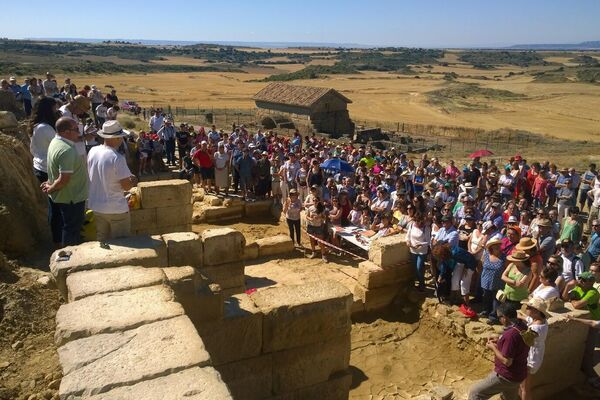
337 165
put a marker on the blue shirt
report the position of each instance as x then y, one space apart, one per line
459 255
491 274
25 92
449 236
594 246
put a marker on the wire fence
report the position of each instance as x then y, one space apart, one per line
410 137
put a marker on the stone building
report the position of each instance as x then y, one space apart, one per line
325 110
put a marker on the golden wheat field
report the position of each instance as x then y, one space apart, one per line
569 110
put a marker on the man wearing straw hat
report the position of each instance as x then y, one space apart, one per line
109 178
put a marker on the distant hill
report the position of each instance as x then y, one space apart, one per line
591 45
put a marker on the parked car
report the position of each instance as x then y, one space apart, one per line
131 106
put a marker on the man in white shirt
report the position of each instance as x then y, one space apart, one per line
73 109
109 178
156 121
572 267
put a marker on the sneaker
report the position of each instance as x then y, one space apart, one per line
325 259
312 255
483 314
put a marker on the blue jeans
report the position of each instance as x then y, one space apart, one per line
66 220
419 262
170 150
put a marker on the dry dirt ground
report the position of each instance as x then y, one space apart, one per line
560 109
29 366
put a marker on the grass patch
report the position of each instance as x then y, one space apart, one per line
91 67
469 97
491 58
312 72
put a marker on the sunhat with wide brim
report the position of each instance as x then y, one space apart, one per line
518 256
538 304
112 129
526 243
493 242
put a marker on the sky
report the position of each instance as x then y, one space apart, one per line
425 23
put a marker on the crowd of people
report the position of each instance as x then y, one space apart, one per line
496 234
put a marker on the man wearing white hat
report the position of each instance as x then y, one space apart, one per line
109 178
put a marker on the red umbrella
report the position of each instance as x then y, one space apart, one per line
481 153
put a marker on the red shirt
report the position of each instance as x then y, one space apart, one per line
203 159
511 345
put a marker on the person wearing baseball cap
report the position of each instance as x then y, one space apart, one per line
109 178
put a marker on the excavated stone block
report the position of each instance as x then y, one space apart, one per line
308 365
389 250
250 251
97 281
238 335
374 299
145 251
157 230
213 200
336 388
226 275
183 248
259 208
222 246
103 362
206 304
221 213
372 276
249 379
190 384
113 312
302 314
278 244
142 217
173 216
165 193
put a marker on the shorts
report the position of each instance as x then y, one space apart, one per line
315 230
207 173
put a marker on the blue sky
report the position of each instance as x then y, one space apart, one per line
428 23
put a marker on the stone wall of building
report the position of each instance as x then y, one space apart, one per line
165 206
151 317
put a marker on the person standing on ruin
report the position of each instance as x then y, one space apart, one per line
167 134
67 185
109 178
510 359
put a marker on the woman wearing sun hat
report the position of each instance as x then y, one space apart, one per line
516 277
536 315
536 263
491 277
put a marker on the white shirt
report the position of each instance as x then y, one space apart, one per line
536 352
545 292
40 140
101 111
418 239
106 167
567 272
156 122
502 181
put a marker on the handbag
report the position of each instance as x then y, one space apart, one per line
501 296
